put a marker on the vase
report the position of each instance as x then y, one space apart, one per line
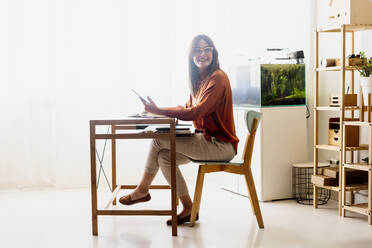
366 84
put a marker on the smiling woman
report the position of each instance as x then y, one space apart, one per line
203 59
210 108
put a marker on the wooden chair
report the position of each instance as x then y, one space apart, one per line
242 168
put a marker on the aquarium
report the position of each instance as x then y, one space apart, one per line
266 85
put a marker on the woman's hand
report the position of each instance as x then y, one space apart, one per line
151 107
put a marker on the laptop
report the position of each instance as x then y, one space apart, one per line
181 129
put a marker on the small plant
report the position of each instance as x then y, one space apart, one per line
365 68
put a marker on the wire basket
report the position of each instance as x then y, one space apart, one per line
302 188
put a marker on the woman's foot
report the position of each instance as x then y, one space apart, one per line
182 220
136 196
184 213
183 217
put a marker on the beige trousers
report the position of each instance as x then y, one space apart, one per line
195 147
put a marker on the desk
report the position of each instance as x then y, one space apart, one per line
130 125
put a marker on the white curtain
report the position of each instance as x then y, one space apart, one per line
63 63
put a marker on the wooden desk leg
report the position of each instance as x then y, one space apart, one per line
173 178
93 177
113 157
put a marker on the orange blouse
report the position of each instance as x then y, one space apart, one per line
211 111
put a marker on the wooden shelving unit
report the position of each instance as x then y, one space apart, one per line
361 208
340 111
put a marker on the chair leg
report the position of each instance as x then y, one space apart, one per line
197 195
253 197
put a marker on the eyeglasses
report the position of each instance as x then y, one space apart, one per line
200 50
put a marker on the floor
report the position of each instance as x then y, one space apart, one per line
61 218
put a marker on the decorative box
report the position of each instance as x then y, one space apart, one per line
350 12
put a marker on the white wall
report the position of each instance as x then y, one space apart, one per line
63 63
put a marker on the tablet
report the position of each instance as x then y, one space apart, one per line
143 100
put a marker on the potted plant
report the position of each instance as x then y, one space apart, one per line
365 69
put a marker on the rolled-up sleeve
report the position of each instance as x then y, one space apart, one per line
208 102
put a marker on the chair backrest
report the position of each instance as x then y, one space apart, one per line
252 119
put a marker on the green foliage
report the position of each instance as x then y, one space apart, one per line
366 68
297 93
282 84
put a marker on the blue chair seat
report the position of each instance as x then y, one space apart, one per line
234 161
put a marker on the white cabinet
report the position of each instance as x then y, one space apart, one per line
280 142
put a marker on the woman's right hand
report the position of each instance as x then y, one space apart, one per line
151 107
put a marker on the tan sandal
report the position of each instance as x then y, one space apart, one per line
127 200
182 220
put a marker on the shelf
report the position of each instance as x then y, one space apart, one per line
328 147
357 123
327 108
361 208
333 188
348 28
354 187
338 148
361 166
310 165
335 68
365 108
362 147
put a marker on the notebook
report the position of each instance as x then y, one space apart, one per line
167 129
181 129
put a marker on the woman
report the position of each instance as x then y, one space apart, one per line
210 109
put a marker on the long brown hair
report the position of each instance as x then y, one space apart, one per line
194 75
